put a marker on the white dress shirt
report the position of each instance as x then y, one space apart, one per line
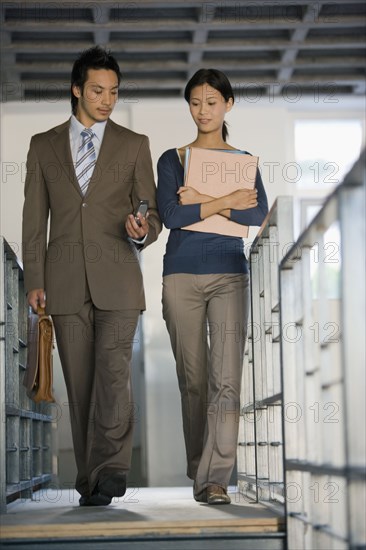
75 136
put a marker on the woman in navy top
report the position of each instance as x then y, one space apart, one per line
206 294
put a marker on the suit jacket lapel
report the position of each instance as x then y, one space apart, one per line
110 151
61 145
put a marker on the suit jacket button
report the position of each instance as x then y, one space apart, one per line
84 204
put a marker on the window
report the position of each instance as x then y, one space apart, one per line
325 150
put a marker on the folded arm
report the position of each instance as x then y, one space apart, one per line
180 206
239 200
245 206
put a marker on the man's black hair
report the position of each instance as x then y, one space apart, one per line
93 58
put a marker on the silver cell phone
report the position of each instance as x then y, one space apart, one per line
141 209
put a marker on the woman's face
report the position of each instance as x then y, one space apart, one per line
208 108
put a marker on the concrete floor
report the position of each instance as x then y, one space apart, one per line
164 511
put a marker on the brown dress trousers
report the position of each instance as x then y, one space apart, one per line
206 317
95 348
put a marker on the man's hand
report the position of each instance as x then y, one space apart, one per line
36 298
134 230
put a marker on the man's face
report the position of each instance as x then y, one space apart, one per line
97 99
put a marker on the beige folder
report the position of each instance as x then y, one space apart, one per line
216 173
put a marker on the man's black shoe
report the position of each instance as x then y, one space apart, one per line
84 500
98 499
108 487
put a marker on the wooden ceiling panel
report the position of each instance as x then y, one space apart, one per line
263 46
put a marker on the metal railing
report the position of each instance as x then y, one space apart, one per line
302 435
322 287
25 428
260 453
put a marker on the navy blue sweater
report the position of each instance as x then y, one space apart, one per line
192 251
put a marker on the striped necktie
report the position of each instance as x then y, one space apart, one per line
85 160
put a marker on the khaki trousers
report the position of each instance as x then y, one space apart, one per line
95 349
207 317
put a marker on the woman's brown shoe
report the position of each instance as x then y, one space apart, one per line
217 495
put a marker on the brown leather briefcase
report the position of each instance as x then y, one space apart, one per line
38 376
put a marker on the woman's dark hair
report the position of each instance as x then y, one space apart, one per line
217 80
93 58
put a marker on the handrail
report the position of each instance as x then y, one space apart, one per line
323 372
260 454
311 328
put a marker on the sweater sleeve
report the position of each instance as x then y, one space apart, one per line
253 216
172 214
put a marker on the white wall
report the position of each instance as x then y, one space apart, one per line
264 128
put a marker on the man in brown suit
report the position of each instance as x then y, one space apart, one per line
89 174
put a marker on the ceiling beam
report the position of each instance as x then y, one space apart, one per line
166 66
298 36
200 36
157 4
179 24
101 19
357 41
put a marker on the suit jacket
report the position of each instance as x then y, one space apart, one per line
86 233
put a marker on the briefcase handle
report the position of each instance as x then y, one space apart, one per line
41 311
